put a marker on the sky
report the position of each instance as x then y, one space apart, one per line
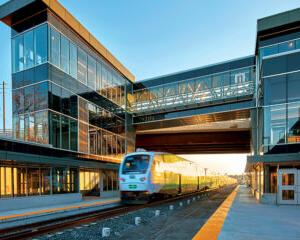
230 164
155 37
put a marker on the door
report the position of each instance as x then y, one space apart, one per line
287 186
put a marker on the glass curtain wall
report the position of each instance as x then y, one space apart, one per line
49 111
91 71
281 79
32 181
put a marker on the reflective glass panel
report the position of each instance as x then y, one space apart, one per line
41 127
73 60
98 79
65 52
82 66
55 47
91 72
41 46
18 53
41 96
288 179
33 181
286 46
73 134
28 50
55 131
293 122
65 130
288 194
45 181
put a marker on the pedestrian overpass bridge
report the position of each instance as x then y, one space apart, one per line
203 110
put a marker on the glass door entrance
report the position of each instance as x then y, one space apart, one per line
288 186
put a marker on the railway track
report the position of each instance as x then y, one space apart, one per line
48 226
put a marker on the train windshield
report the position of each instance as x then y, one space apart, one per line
136 163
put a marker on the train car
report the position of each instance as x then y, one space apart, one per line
144 176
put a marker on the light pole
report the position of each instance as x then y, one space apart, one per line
205 170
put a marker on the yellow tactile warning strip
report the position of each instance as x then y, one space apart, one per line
212 228
52 210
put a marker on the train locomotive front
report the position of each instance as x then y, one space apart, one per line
134 178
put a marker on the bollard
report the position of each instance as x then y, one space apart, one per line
137 220
188 201
180 204
157 213
171 207
105 232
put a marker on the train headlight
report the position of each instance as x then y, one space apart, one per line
122 179
142 179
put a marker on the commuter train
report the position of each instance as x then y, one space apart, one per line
144 176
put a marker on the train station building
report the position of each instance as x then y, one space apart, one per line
77 110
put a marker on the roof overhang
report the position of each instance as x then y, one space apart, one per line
8 8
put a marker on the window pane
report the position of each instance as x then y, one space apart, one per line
41 96
55 47
28 46
65 132
33 181
275 90
29 99
83 137
41 46
20 182
275 125
8 181
55 130
286 46
98 80
91 72
18 54
41 127
288 194
104 81
55 100
73 60
73 135
45 181
293 122
268 50
82 66
66 102
274 65
64 60
293 84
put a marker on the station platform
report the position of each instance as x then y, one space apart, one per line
15 218
240 216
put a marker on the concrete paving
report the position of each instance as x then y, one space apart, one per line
248 219
31 215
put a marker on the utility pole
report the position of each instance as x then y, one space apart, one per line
4 116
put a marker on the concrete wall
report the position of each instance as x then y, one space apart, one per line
110 194
268 198
7 204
